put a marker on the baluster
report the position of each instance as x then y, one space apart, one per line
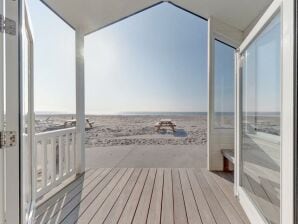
45 163
60 157
74 150
67 148
54 156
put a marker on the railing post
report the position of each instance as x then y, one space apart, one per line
61 156
80 104
54 162
45 163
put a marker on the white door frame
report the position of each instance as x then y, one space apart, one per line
286 9
26 171
12 106
2 153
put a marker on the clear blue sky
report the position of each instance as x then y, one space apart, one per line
153 61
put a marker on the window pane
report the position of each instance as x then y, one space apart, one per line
261 121
224 85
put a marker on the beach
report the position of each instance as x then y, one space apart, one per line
117 130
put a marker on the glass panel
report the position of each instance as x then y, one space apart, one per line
261 121
26 128
224 69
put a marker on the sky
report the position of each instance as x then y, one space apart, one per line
54 61
153 61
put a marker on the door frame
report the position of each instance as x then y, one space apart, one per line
26 29
286 9
11 103
251 210
231 36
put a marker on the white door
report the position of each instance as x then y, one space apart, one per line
27 122
16 115
9 112
259 124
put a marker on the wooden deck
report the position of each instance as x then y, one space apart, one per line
141 195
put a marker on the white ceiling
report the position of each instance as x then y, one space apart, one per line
90 15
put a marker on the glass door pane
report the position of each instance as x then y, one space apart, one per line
260 147
25 128
224 70
27 119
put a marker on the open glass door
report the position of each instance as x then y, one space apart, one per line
27 123
259 121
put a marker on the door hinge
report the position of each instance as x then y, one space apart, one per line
7 139
8 26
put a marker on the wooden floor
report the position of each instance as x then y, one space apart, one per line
137 195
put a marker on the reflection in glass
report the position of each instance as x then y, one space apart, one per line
26 145
261 121
223 85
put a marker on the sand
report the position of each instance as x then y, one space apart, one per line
140 130
118 130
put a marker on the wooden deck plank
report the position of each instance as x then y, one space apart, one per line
179 204
202 204
90 205
217 211
64 199
167 211
118 207
131 206
154 213
56 211
139 196
231 213
192 212
64 193
144 203
76 202
227 187
104 210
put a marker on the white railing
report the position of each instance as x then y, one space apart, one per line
55 158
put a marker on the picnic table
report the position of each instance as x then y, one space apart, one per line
165 123
73 122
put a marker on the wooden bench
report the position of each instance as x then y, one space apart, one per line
165 123
228 157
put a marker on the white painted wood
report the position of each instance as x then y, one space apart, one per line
287 118
64 155
238 117
60 140
226 33
269 13
99 13
2 168
54 156
80 104
67 153
210 156
287 112
218 139
45 164
12 154
31 115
